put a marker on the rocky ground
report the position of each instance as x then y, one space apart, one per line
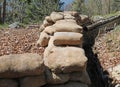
107 46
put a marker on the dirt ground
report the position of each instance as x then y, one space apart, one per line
18 41
107 46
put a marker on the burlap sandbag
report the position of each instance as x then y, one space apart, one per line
49 48
42 27
73 13
19 65
68 16
69 84
53 78
55 16
66 59
46 23
85 20
8 83
33 81
67 26
68 38
43 39
48 18
80 76
49 30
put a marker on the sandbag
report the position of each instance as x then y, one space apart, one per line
68 38
69 84
43 39
67 26
46 23
80 76
33 81
73 13
49 48
55 16
19 65
68 16
53 78
42 27
66 59
8 83
48 18
49 30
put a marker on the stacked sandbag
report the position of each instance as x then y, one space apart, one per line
27 70
59 22
64 56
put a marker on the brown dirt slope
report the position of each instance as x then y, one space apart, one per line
107 46
18 41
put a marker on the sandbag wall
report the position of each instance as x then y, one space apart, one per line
22 70
63 63
64 57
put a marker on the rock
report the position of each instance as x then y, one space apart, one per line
14 25
116 72
70 84
43 39
33 26
67 26
56 16
34 81
8 83
97 18
53 78
66 59
19 65
65 38
80 76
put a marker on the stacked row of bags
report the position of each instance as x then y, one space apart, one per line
64 57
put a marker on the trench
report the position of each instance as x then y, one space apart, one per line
99 78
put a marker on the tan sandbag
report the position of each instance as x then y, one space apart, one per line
73 13
80 76
46 23
59 27
68 38
69 84
48 18
53 78
19 65
43 39
8 83
49 30
68 16
42 27
55 16
67 26
66 59
85 19
49 48
33 81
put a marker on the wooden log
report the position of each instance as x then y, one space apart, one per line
101 22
